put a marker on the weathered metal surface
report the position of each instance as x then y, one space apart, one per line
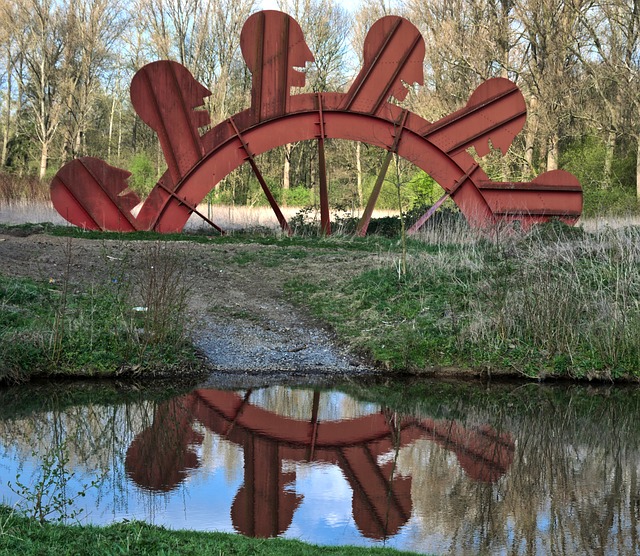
92 194
170 101
276 54
254 166
263 507
393 55
552 194
325 217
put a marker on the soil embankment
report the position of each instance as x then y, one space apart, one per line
241 321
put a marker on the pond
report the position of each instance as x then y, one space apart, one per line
433 467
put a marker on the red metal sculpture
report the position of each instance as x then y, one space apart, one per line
91 194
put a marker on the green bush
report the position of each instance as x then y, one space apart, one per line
424 190
614 201
585 158
143 174
307 221
298 196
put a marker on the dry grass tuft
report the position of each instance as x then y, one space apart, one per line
22 189
573 299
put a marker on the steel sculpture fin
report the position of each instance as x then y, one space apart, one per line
91 194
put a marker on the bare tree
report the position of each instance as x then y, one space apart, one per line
612 65
370 11
229 77
553 32
46 78
326 27
202 35
95 27
10 55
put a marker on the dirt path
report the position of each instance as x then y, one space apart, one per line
242 322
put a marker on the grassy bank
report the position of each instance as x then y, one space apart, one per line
557 302
24 536
132 323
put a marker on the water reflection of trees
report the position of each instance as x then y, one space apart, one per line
572 486
578 472
95 438
96 434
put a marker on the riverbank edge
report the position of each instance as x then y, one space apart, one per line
26 536
462 367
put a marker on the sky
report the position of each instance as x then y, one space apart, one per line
350 5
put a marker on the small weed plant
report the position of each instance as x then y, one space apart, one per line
50 497
162 286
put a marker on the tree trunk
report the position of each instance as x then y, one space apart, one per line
7 116
119 132
312 180
111 118
638 169
552 152
134 135
44 155
77 149
530 136
359 172
286 173
610 146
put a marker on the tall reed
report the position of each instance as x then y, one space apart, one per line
573 297
555 301
20 189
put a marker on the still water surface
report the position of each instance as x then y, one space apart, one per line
434 468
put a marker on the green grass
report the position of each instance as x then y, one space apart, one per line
23 536
557 302
49 329
372 243
402 324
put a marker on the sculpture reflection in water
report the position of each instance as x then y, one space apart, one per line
163 455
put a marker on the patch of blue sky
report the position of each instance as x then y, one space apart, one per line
325 514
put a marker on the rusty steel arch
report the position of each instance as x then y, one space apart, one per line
168 212
90 193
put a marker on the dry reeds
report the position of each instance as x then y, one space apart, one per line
573 300
164 286
22 189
